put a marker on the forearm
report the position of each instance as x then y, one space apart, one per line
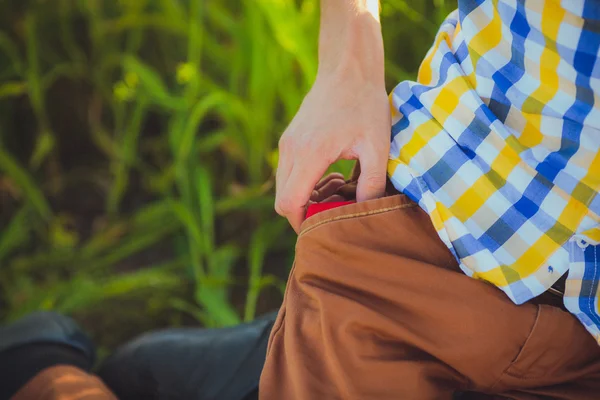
350 41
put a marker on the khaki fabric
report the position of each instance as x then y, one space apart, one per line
63 382
376 308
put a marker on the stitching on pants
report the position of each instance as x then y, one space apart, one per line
283 309
358 214
522 349
275 331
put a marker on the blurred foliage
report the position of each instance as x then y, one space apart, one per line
137 151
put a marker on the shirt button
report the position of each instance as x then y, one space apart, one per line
582 243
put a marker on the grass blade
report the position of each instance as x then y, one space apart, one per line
27 184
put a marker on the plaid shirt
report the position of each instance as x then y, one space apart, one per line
498 140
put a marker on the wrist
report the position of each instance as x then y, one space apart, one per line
351 48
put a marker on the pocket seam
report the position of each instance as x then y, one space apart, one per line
522 349
356 215
274 331
282 310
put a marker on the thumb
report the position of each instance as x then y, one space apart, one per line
372 178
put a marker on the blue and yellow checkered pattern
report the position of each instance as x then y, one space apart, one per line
499 139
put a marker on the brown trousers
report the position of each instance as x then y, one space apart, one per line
376 308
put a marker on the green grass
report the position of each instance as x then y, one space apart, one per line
137 152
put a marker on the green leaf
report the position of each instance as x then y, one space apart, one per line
206 207
64 70
148 77
251 198
198 112
44 145
221 312
105 239
225 258
8 47
152 83
125 22
84 292
42 260
66 34
61 235
12 89
27 184
186 217
153 215
16 233
209 142
245 202
342 166
132 244
173 10
128 148
191 309
285 21
148 225
212 293
262 239
33 73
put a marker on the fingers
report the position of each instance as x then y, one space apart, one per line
372 179
291 201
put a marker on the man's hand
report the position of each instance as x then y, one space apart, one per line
346 114
337 120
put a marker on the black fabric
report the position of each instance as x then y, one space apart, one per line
19 364
253 395
45 327
191 364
